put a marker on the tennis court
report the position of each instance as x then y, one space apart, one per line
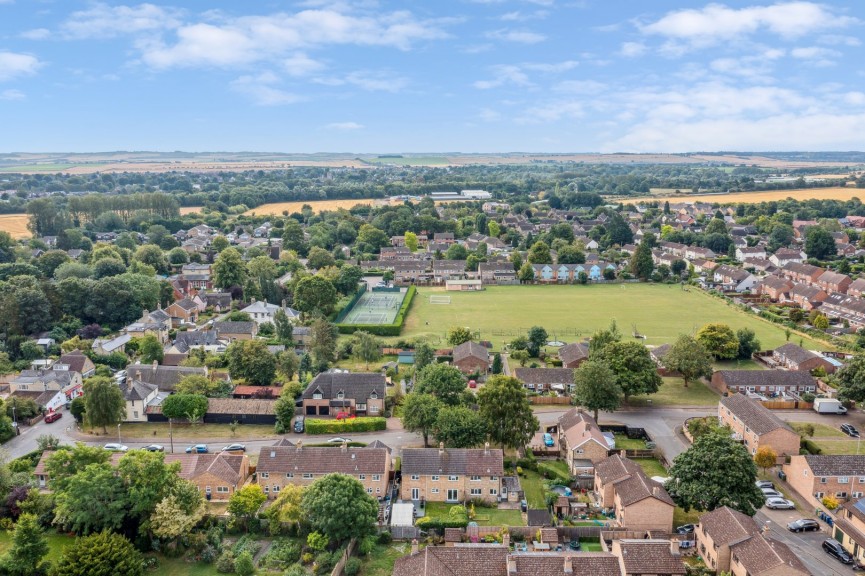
375 308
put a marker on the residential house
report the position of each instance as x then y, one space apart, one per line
844 307
163 377
801 273
793 357
412 272
639 503
609 471
106 346
262 312
183 312
849 528
218 301
834 282
75 361
764 382
355 393
470 357
444 238
544 379
756 426
757 252
50 389
856 288
647 557
157 323
815 476
443 270
233 331
732 278
137 395
807 297
775 287
451 475
497 273
281 465
573 354
582 441
783 256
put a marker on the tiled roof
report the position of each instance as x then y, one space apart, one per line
573 352
650 557
357 385
578 428
836 465
754 415
470 560
545 375
164 377
75 359
638 487
136 390
240 406
458 461
470 350
795 353
759 555
615 468
228 467
582 564
234 327
322 460
726 526
782 378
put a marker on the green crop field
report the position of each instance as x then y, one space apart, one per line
572 312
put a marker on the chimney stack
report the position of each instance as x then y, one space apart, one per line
155 364
656 491
506 540
569 564
299 445
441 448
512 565
414 547
344 446
486 448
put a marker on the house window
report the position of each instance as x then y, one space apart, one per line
316 396
266 489
493 492
818 495
135 414
307 475
453 478
222 489
265 474
373 409
840 494
207 489
361 477
843 480
415 477
823 480
434 478
857 494
861 479
369 490
361 407
289 474
376 477
452 495
340 395
435 490
378 490
475 478
494 478
476 491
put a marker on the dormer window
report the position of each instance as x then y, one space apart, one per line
374 395
340 395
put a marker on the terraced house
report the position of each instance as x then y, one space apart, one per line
756 426
451 475
816 476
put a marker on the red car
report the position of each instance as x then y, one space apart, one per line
345 416
53 416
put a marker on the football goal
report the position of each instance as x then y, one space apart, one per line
439 299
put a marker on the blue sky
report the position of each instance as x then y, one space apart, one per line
431 75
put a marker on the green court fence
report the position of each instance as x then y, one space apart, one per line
392 329
347 308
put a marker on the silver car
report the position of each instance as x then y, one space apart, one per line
780 504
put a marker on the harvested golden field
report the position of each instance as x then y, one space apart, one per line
15 224
277 208
834 193
190 210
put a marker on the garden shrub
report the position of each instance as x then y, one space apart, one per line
352 567
367 424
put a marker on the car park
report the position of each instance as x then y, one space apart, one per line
115 447
804 525
197 449
338 440
850 430
154 448
234 448
834 549
780 504
299 425
53 417
685 529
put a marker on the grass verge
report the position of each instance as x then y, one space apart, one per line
674 393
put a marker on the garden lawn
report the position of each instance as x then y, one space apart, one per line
820 430
212 433
625 443
681 517
661 312
651 467
847 447
673 393
590 545
380 562
496 517
533 487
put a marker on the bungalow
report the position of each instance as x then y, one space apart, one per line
281 465
573 354
470 357
816 476
106 346
775 287
756 426
763 382
451 475
165 378
582 441
351 392
232 331
793 357
543 379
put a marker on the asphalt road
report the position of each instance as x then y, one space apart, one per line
806 545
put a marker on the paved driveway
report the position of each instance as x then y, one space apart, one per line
806 545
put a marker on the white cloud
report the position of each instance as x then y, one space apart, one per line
816 55
632 49
13 65
757 67
103 21
12 95
250 39
344 126
36 34
300 64
515 74
551 68
518 36
261 90
518 16
839 40
370 80
489 115
580 87
716 22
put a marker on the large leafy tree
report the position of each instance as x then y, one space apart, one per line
641 264
539 253
537 339
596 387
748 343
93 499
635 371
150 349
315 293
228 269
322 341
506 412
719 340
286 509
105 405
366 347
245 502
338 506
103 554
292 237
819 243
460 427
147 479
28 549
715 471
424 355
443 381
190 407
852 379
689 358
252 361
459 335
66 462
420 414
178 512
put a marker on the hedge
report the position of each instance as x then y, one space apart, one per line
370 424
441 522
333 445
393 329
810 446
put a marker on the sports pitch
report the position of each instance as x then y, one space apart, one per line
375 308
571 313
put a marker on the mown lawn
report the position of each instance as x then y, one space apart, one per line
681 517
674 393
820 430
380 562
651 467
158 431
625 443
533 487
847 447
569 313
496 517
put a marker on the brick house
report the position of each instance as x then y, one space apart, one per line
444 270
783 256
807 297
816 476
801 273
582 442
183 311
543 379
733 278
217 475
471 357
849 529
774 287
760 556
756 426
834 282
793 357
639 503
352 392
645 557
573 354
451 475
232 331
856 288
284 464
497 273
762 381
845 307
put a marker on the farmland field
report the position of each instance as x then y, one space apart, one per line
410 161
569 313
15 224
190 210
277 208
832 193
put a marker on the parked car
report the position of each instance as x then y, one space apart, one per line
345 416
769 493
685 529
234 448
804 525
780 504
548 440
115 447
834 549
764 484
197 449
53 417
338 440
154 448
849 430
524 505
298 425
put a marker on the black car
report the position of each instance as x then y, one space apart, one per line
685 529
833 548
849 430
803 525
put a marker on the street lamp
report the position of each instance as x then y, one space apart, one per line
15 420
170 436
119 441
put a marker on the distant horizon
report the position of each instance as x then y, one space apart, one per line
434 152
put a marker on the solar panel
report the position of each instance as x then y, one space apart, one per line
860 505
